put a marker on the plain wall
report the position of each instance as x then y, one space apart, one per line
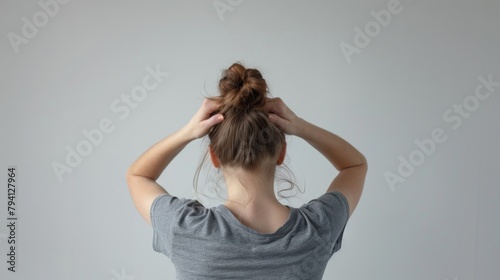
404 84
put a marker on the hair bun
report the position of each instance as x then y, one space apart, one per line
242 88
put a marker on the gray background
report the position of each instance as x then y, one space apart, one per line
440 223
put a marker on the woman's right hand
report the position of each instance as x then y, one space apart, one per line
282 116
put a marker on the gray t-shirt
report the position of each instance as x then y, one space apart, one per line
210 243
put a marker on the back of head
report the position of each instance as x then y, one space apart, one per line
246 136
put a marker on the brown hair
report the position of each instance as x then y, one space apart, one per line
246 136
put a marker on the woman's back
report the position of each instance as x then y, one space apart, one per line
252 235
211 243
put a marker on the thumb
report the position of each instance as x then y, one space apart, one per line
215 119
204 126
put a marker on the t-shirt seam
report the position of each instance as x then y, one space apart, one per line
156 234
155 201
344 200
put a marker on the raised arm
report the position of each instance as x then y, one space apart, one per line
142 175
350 163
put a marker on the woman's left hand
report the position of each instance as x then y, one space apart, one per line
201 122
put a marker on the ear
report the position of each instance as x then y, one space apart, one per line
281 157
213 157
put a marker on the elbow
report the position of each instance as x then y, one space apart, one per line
363 163
129 174
365 166
133 173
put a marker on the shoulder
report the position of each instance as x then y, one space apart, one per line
329 207
166 203
335 200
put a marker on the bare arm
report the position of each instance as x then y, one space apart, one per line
142 175
350 163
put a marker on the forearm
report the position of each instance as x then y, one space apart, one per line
152 162
338 151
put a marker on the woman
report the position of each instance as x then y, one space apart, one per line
252 235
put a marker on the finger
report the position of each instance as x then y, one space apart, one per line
213 120
211 105
277 120
272 105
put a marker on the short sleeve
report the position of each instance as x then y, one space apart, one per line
330 212
164 213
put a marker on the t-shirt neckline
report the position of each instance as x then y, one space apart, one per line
283 230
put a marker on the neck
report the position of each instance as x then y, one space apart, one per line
250 190
252 201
